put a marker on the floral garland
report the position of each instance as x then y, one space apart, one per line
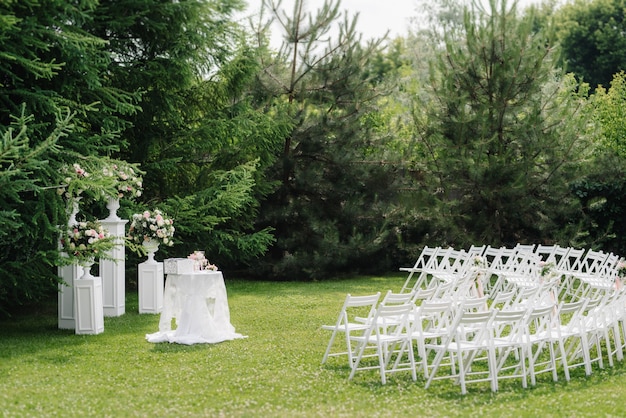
87 240
149 226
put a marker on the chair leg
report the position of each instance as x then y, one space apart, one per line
328 348
564 360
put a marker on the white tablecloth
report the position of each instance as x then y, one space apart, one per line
199 305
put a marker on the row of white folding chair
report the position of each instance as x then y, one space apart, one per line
522 264
443 264
575 323
573 337
356 316
377 337
378 333
389 337
448 263
597 270
569 338
587 325
500 338
543 321
579 276
606 315
510 270
583 347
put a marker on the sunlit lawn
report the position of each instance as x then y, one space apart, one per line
275 372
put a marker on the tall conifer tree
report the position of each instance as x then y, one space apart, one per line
503 136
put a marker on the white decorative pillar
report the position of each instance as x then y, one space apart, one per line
151 284
113 272
66 295
68 274
88 303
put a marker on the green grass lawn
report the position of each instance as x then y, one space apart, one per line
275 372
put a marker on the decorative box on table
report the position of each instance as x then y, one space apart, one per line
178 266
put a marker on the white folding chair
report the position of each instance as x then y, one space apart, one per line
521 270
502 300
566 268
425 261
431 323
392 298
588 271
552 254
606 321
567 327
528 248
452 266
389 337
470 336
586 350
601 280
497 261
539 335
509 331
423 294
353 307
619 316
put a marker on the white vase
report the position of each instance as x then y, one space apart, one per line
86 265
72 219
151 247
113 204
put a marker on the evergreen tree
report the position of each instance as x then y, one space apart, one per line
336 178
201 144
56 108
502 135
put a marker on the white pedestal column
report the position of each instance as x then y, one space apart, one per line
151 284
68 274
88 303
113 272
66 295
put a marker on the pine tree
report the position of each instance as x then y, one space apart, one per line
202 146
55 108
503 136
336 184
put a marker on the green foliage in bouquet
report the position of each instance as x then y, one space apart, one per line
86 241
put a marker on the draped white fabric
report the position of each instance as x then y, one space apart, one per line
199 305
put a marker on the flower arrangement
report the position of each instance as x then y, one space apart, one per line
75 181
621 268
479 262
127 180
200 262
546 269
87 240
101 177
148 226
